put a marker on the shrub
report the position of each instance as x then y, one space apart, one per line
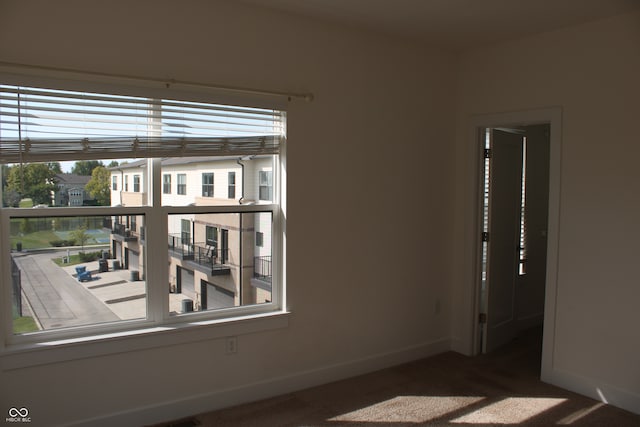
89 256
61 242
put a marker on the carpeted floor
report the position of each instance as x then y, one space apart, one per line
445 390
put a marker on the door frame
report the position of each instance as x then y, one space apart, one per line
552 116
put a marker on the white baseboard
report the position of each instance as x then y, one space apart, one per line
461 346
602 392
195 404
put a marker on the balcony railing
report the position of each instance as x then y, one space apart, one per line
211 258
125 233
107 223
201 256
180 247
262 268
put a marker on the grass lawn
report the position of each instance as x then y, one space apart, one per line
24 324
26 203
35 240
73 260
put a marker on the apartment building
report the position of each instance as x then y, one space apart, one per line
216 260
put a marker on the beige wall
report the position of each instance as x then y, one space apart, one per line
591 71
380 128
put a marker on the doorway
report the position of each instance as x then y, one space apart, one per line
473 219
515 204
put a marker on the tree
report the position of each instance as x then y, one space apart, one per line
55 167
80 236
85 167
34 180
98 186
112 164
9 197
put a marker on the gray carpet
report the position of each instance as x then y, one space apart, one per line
449 389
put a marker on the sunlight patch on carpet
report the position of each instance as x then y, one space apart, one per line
578 415
409 409
512 410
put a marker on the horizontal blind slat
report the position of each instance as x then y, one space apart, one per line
62 125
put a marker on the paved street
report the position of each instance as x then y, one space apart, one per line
57 299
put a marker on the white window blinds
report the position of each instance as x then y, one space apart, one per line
41 125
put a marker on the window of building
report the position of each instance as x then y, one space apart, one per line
212 236
185 231
232 185
182 184
259 239
265 185
166 183
156 242
207 184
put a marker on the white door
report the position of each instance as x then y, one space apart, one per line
503 247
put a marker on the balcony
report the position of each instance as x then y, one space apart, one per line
262 272
122 233
211 260
200 256
107 223
180 248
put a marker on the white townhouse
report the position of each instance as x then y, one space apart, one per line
215 260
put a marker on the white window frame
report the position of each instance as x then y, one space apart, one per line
268 174
159 328
166 183
208 191
231 190
181 189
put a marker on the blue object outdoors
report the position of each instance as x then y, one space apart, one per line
83 274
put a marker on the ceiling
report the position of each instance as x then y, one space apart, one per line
453 24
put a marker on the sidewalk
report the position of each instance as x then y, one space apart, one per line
114 288
125 298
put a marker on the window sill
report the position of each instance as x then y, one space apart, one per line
23 356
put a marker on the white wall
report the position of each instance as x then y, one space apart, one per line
369 257
591 71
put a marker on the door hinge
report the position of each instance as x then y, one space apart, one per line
485 236
487 153
482 318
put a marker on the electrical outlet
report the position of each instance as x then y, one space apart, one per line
231 345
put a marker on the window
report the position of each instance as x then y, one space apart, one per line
266 185
166 183
232 185
182 184
259 239
185 233
212 236
207 184
198 247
